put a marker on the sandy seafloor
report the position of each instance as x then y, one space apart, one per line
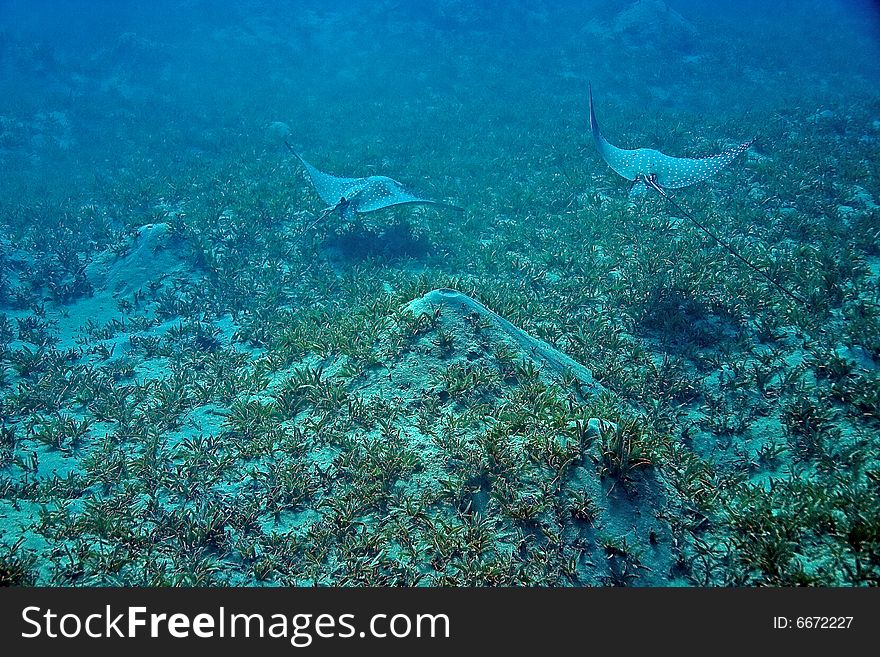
199 387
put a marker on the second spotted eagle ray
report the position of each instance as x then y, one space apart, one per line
352 196
658 171
644 164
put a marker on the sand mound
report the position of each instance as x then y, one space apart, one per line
485 410
647 23
460 315
153 257
652 18
153 254
277 133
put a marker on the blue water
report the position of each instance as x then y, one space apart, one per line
169 282
138 81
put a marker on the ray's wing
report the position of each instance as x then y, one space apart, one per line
330 188
383 192
675 172
671 172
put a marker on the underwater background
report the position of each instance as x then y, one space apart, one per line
205 379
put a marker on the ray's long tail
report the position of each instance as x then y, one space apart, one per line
653 184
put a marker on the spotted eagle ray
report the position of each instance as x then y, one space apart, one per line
639 164
659 172
352 196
